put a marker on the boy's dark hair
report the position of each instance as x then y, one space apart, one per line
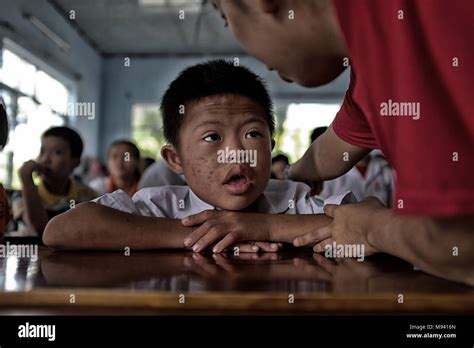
3 126
280 157
316 133
135 152
215 77
71 136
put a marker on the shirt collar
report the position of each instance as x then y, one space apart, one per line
270 201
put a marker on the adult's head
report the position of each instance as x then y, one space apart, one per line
300 39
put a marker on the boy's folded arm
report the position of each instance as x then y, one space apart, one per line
94 226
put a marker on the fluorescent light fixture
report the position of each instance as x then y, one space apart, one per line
43 28
170 5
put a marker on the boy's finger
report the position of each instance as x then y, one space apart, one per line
313 237
246 248
213 234
228 240
321 246
269 247
197 234
198 219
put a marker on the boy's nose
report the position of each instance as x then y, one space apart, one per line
235 143
44 159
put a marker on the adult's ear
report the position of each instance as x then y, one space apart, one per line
273 143
268 6
171 157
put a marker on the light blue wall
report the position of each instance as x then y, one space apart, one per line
82 60
146 79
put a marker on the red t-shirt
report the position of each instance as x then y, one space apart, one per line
414 58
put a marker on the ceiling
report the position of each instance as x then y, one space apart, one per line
151 27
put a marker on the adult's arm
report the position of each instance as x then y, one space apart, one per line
328 157
439 246
443 247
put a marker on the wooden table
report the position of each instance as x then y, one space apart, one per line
179 282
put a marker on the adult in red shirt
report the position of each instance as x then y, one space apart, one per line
411 77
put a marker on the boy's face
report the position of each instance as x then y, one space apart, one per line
55 159
278 168
120 161
214 129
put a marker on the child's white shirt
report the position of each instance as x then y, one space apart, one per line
279 197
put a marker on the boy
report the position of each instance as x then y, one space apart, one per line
218 121
123 164
60 154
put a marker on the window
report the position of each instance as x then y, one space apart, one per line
147 131
300 120
34 101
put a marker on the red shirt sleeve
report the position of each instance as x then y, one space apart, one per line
350 124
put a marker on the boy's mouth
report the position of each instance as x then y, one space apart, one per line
237 180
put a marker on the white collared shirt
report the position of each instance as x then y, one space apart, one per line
280 197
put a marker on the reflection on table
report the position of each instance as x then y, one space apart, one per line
267 276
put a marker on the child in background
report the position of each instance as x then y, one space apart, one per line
4 208
227 109
123 164
57 191
279 162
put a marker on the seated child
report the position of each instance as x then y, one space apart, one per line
57 191
123 164
4 208
218 121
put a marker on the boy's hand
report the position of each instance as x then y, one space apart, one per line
255 247
228 228
27 169
350 225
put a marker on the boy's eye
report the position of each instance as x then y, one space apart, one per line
253 134
58 152
211 137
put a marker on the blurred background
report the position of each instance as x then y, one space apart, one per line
116 58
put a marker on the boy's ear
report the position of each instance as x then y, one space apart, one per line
170 155
75 163
273 143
